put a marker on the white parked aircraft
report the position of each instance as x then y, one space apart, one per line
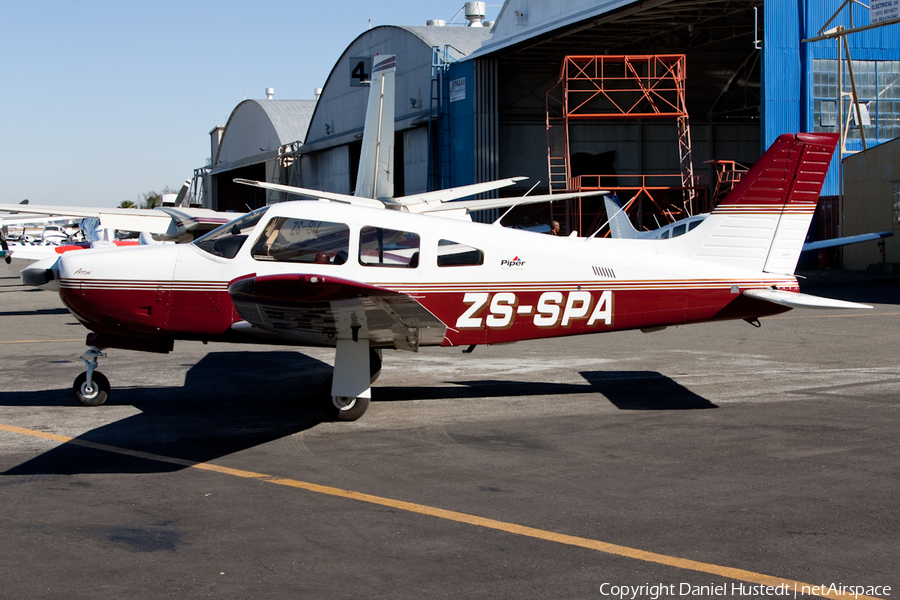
93 236
349 274
170 223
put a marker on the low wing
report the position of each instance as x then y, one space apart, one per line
317 194
472 205
127 219
419 203
795 300
29 252
427 202
26 219
308 309
410 203
166 221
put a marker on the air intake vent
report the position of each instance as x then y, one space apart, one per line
115 323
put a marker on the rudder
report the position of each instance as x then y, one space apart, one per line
761 225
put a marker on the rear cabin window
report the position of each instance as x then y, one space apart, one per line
454 254
303 241
380 247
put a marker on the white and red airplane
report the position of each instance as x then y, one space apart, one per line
364 276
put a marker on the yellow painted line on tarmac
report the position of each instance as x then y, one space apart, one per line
458 517
38 341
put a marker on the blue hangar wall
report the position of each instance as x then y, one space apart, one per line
461 112
800 80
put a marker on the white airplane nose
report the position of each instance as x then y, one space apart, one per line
43 274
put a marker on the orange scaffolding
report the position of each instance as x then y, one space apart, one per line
621 87
728 175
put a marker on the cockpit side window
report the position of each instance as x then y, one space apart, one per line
227 240
285 239
679 230
380 247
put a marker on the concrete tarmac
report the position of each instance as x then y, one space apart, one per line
698 462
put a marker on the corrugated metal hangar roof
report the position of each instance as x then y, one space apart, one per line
341 109
256 128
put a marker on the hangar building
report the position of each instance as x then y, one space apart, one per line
482 102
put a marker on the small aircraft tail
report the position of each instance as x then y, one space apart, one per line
619 224
181 198
375 177
761 225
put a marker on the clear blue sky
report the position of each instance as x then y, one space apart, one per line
103 101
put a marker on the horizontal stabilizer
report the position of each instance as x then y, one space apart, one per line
846 241
795 300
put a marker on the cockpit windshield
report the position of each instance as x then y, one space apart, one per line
228 239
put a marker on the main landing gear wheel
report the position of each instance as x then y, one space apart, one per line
348 409
94 394
344 408
341 408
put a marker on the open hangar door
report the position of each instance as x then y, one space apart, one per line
719 40
236 197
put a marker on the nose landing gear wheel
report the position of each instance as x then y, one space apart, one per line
94 394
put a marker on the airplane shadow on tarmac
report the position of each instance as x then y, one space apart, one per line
232 401
19 290
627 390
36 312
